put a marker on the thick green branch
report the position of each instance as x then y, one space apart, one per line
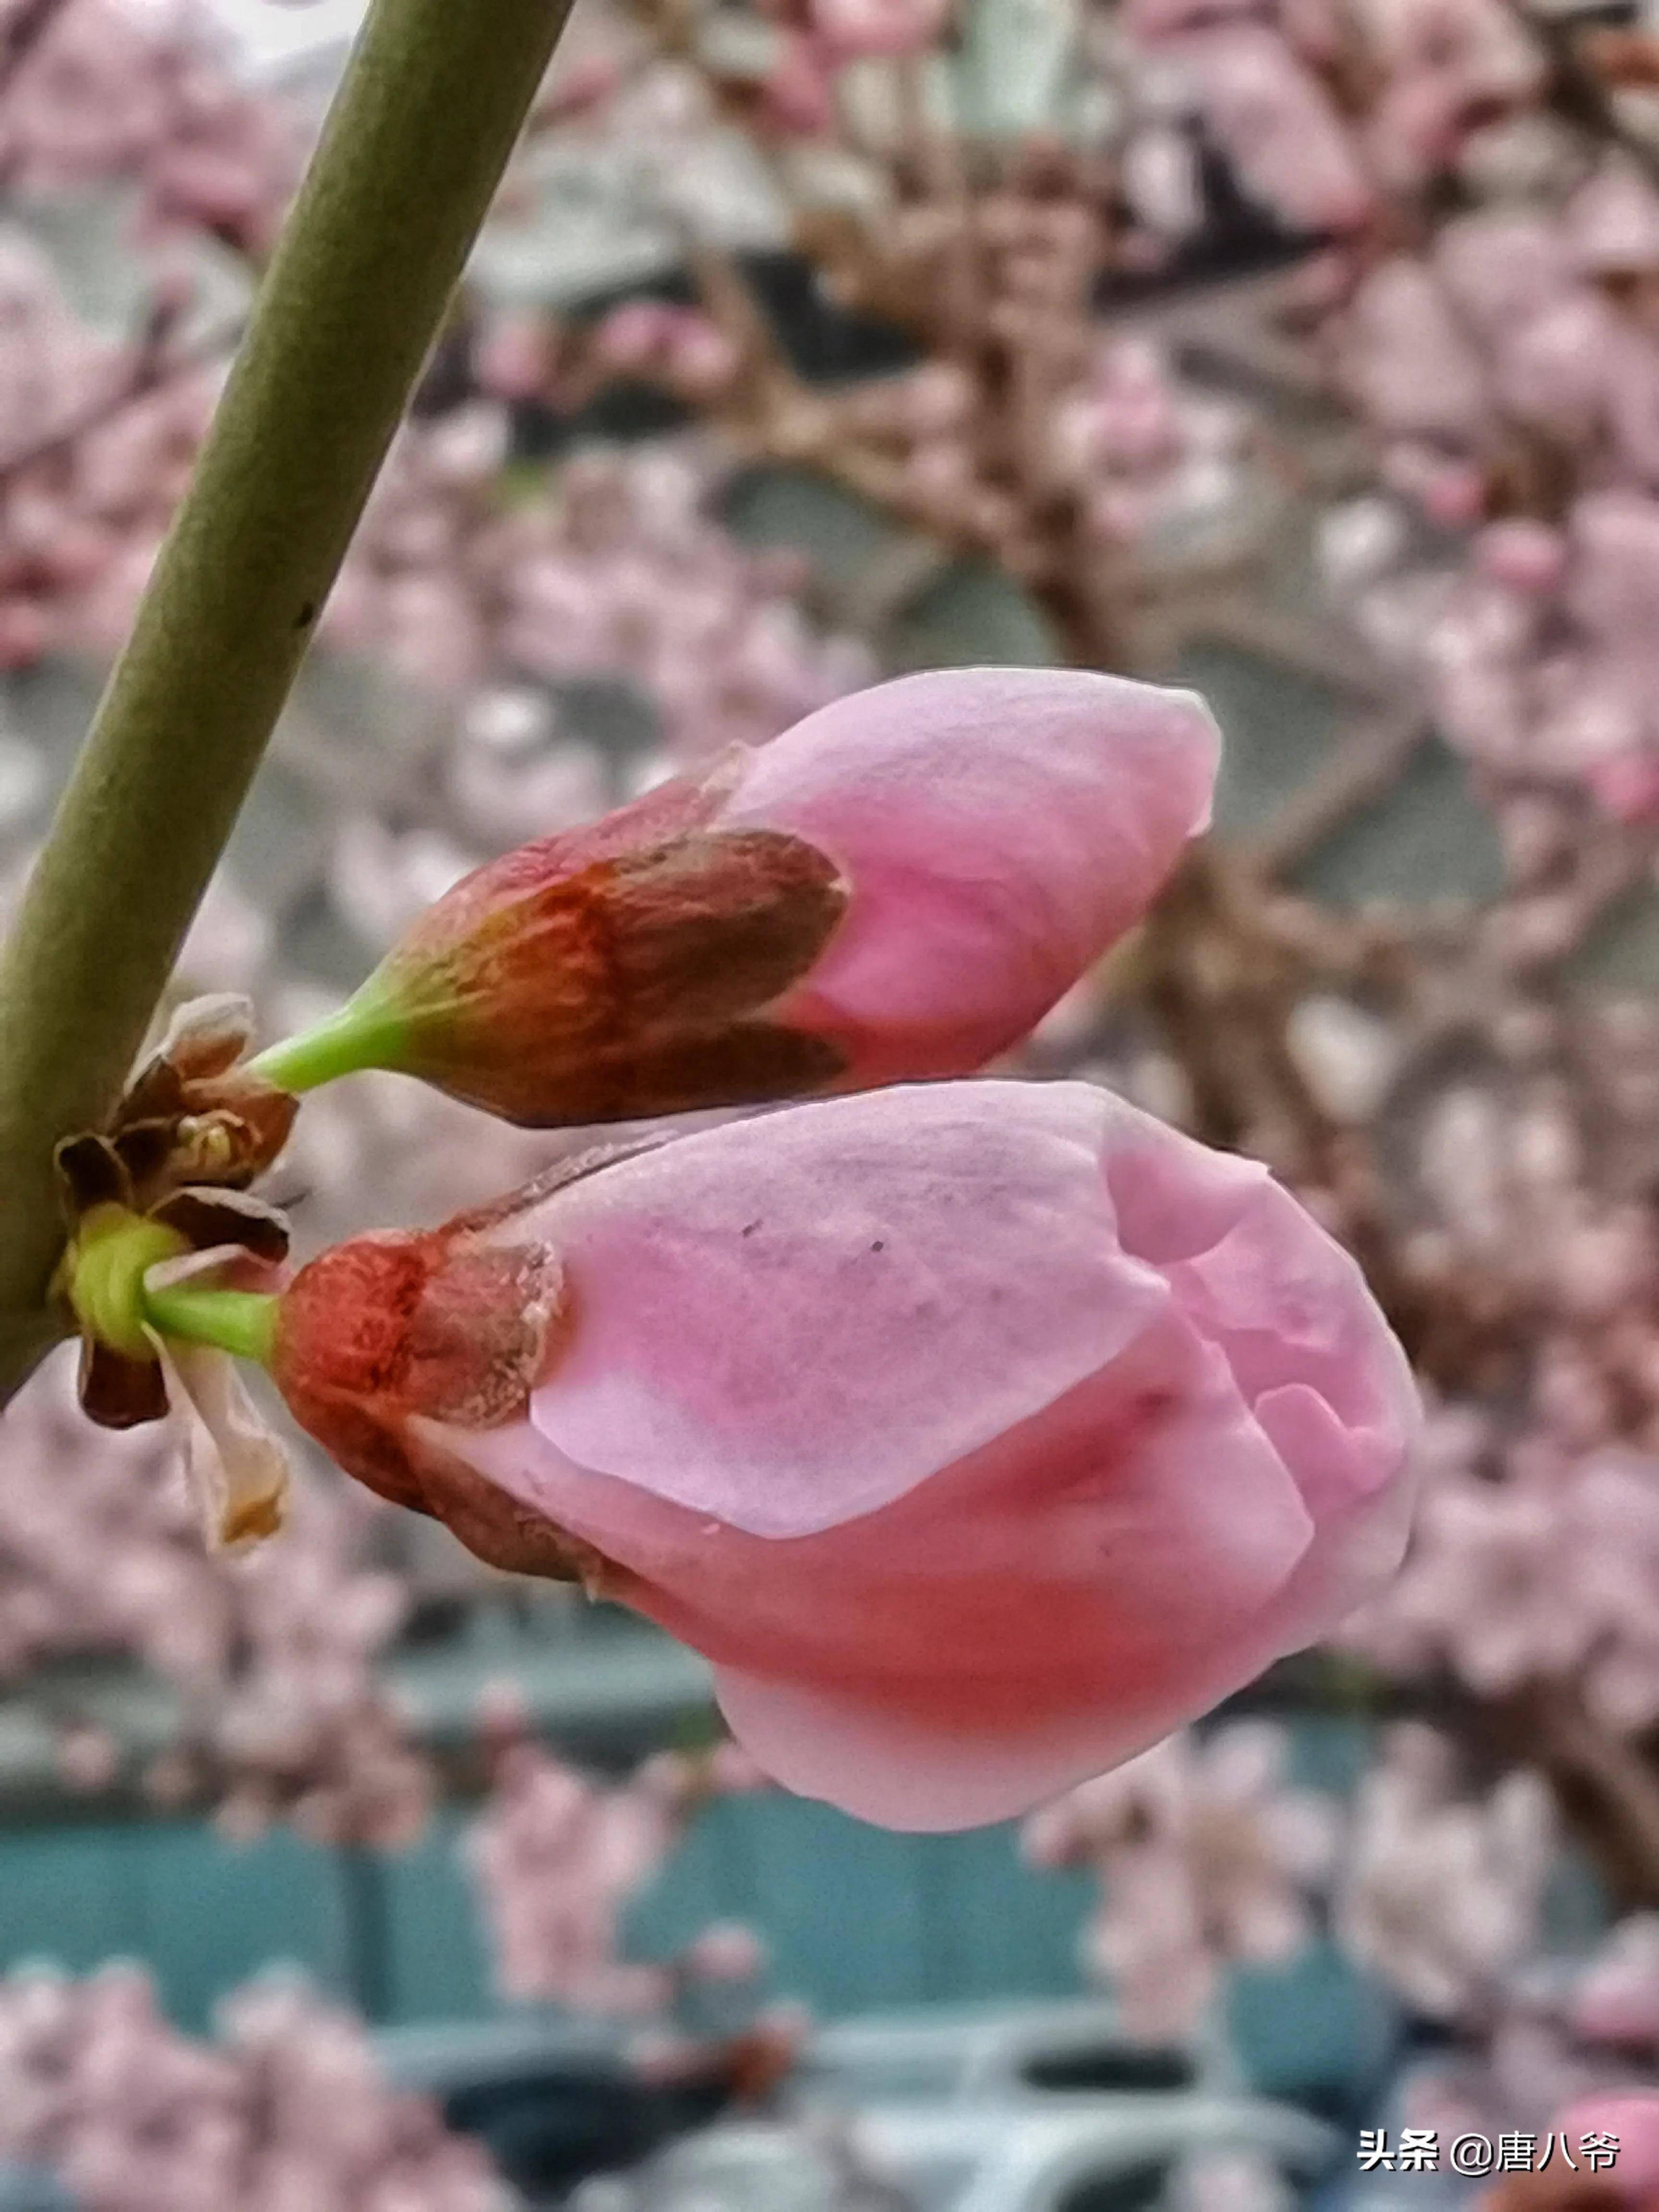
431 105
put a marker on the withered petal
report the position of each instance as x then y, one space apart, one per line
233 1130
205 1038
91 1173
266 1113
117 1392
237 1470
215 1215
144 1148
155 1094
209 1035
215 1148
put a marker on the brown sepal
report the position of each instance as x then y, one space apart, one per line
205 1038
191 1114
91 1173
718 925
145 1149
117 1392
637 986
749 1064
480 1337
385 1328
209 1217
497 1529
434 1323
494 1527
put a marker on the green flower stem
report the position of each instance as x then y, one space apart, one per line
358 1036
431 105
241 1321
106 1276
103 1278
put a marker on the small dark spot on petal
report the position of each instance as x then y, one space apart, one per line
749 1228
880 1244
1150 1409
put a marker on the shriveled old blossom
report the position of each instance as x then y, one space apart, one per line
1205 1856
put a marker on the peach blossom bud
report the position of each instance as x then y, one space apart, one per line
980 1433
901 885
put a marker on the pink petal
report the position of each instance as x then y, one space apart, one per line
978 1433
1040 1610
1001 829
1292 1309
778 1333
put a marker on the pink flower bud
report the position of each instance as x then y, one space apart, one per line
980 1433
901 885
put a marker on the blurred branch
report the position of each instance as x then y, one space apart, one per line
1360 772
1580 95
27 25
418 136
1608 1789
